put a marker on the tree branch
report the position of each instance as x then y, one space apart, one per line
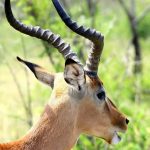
18 86
143 14
126 9
29 100
133 8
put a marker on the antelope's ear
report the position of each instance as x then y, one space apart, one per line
40 73
74 74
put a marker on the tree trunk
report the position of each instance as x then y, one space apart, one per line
137 47
133 21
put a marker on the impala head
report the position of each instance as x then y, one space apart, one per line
96 114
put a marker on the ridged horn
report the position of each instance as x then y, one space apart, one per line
40 33
94 36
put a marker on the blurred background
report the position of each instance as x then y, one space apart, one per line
124 67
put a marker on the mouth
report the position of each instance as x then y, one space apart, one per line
116 138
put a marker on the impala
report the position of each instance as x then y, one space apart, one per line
79 103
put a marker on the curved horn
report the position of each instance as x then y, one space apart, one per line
42 34
95 37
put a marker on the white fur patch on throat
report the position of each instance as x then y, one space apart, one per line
116 138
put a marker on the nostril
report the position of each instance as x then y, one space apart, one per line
127 121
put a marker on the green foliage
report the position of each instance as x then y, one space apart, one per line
143 27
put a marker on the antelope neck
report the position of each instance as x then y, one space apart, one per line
55 131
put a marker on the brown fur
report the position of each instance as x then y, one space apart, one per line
95 82
65 118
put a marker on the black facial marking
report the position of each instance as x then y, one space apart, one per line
79 88
70 61
67 80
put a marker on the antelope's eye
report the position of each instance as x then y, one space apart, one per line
101 95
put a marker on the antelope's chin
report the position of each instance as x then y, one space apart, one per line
116 138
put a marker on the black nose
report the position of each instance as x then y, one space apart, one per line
127 121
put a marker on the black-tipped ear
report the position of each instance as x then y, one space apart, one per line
40 73
31 66
74 74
